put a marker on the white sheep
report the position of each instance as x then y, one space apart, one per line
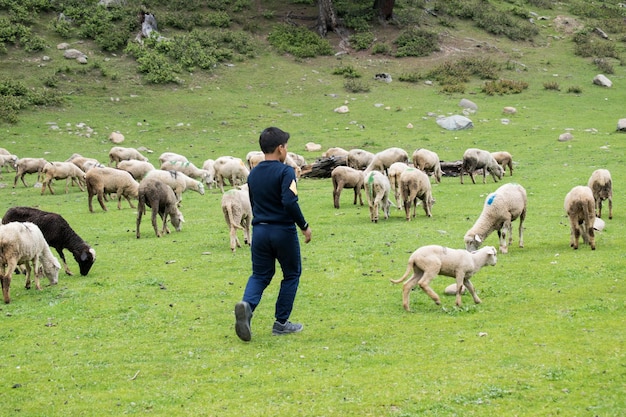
171 156
238 214
8 161
299 160
178 181
101 181
230 168
23 243
580 208
84 162
189 169
209 166
253 158
346 177
428 161
119 153
474 159
4 151
505 160
25 166
335 152
393 173
377 189
601 186
160 197
500 209
414 186
359 158
138 169
429 261
62 170
383 159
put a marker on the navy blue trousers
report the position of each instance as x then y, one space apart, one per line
271 243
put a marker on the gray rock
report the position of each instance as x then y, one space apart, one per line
602 81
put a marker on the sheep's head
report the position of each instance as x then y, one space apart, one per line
472 243
86 260
177 220
492 255
200 188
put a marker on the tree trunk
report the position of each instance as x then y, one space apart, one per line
327 18
385 8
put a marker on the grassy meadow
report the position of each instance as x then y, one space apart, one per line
150 330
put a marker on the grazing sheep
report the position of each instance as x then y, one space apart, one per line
505 160
377 188
233 169
57 233
61 170
428 161
415 185
101 181
138 169
346 177
238 214
289 161
474 159
83 162
23 244
395 170
359 158
580 207
118 153
336 152
383 159
4 151
501 208
209 166
25 166
160 198
171 156
254 158
189 169
178 181
8 161
602 188
429 261
299 160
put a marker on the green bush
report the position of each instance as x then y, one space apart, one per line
604 66
347 71
298 41
575 89
35 43
457 88
219 19
356 86
412 77
361 41
62 27
551 85
157 68
381 49
416 42
502 87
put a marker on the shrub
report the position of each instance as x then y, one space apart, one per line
457 88
35 43
361 41
298 41
502 87
412 77
347 71
416 42
575 89
157 68
62 27
604 66
356 86
219 19
551 85
381 48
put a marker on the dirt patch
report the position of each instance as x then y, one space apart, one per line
566 24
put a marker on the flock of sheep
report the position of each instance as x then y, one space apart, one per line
27 233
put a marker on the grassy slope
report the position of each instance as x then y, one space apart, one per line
142 334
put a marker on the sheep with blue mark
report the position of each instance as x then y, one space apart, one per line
377 189
501 208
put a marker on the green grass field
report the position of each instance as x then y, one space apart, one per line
150 329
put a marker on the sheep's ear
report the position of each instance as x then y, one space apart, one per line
478 239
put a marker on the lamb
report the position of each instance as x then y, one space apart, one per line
359 158
230 168
84 162
335 152
238 214
160 197
474 159
189 169
119 153
602 188
504 159
57 233
25 166
383 159
377 188
101 181
501 208
580 207
414 185
62 170
429 261
171 156
138 169
8 161
178 181
254 158
209 166
428 161
346 177
395 170
23 243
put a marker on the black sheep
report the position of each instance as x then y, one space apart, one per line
57 233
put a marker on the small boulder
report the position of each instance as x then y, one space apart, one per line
468 104
621 125
565 137
509 110
342 109
451 290
312 147
602 81
599 224
73 54
116 137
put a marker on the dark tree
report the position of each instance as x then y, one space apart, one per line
327 18
385 8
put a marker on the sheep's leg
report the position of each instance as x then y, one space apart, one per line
485 176
414 204
166 230
234 240
407 209
610 207
337 195
408 287
522 217
470 287
574 233
245 223
101 200
423 283
154 219
6 284
140 212
28 274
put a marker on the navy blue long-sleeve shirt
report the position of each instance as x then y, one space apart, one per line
274 195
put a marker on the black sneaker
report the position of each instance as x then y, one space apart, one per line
243 315
288 327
